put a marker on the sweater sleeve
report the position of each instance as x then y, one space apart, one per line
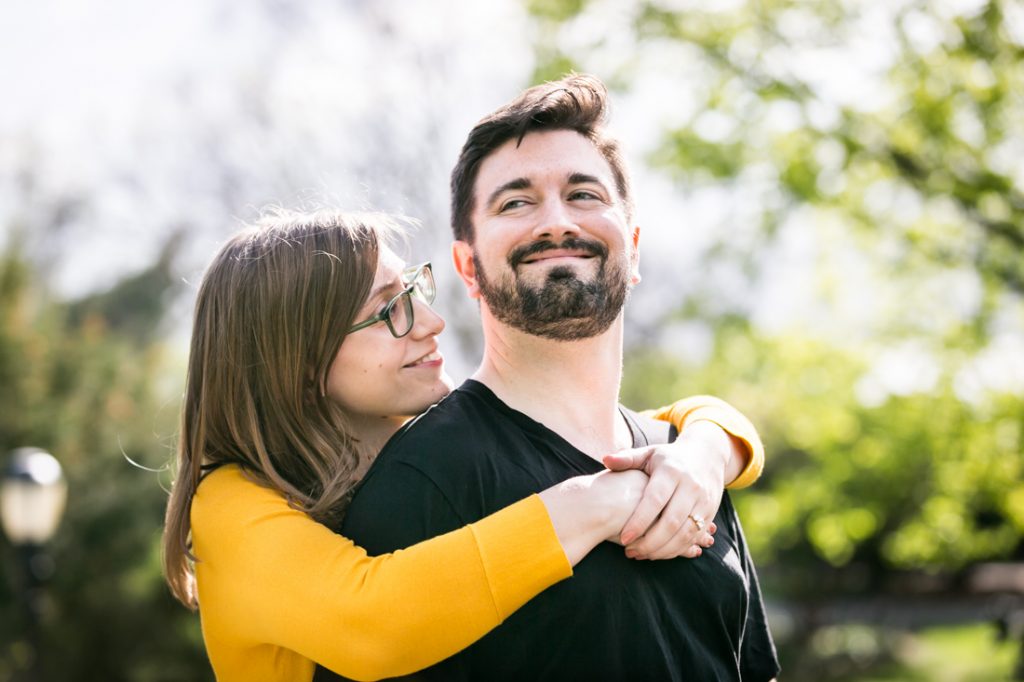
269 574
698 407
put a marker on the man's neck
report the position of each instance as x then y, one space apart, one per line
572 387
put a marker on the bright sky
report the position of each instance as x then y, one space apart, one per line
93 97
128 102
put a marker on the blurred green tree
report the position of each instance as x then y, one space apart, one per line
80 379
919 481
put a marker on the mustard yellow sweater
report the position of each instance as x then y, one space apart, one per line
278 591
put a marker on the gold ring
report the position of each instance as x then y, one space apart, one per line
697 521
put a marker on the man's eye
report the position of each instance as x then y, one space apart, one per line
584 194
512 204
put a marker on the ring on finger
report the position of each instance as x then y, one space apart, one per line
698 521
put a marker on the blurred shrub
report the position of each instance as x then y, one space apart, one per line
83 384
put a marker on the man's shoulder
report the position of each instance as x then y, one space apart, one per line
648 430
452 435
427 480
465 415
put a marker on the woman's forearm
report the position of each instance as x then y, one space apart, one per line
279 589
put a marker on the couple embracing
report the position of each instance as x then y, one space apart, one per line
340 510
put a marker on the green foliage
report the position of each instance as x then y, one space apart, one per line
920 481
79 382
929 154
686 153
553 67
560 10
968 654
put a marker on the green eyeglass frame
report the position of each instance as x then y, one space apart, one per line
398 313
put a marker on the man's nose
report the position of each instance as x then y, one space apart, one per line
555 222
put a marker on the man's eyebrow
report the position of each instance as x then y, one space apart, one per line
583 178
518 183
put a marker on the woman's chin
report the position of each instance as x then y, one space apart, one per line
439 388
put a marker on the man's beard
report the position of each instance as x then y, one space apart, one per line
563 307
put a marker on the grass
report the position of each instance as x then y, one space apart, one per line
948 654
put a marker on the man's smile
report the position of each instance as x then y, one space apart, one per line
544 250
559 255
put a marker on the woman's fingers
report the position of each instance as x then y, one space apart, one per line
674 531
657 494
635 458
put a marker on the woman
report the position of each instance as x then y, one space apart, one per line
265 433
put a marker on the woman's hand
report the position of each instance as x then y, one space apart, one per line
687 478
617 494
587 510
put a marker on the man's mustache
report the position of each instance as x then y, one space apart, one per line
588 246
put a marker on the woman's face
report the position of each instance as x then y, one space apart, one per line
376 377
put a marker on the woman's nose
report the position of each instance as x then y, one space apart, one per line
427 322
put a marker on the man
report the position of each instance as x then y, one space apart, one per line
542 218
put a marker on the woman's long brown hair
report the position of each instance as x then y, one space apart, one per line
272 310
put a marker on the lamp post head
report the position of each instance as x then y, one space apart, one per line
32 496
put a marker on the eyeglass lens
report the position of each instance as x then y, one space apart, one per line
401 317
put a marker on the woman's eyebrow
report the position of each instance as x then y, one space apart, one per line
380 289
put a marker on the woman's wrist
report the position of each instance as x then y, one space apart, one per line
732 452
577 521
586 510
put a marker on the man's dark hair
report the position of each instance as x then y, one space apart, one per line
577 102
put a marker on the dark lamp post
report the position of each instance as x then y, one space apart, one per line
32 497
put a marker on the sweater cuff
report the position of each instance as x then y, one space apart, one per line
705 407
520 552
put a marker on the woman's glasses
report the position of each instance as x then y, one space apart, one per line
398 313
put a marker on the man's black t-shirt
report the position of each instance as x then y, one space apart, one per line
616 618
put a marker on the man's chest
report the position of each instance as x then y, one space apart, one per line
511 468
619 619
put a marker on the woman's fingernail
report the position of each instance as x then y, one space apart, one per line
628 537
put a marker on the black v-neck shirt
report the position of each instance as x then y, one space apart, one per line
616 618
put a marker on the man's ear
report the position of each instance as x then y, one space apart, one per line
634 258
462 257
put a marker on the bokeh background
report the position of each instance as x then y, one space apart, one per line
831 197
